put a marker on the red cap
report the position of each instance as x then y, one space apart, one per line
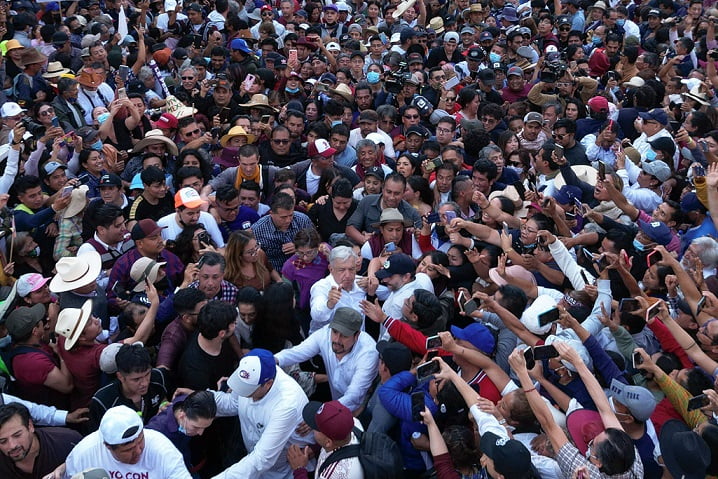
320 147
598 104
166 121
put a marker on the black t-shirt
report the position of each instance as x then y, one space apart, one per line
141 208
198 370
55 445
111 396
326 222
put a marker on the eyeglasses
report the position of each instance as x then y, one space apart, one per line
277 141
47 112
559 136
267 14
411 117
193 132
307 254
565 29
704 331
444 130
526 229
488 119
187 78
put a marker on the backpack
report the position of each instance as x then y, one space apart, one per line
378 453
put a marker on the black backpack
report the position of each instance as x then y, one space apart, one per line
378 453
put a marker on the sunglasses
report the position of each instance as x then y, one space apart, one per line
411 117
280 142
267 14
565 29
187 78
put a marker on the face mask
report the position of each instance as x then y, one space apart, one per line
494 57
291 90
78 31
335 123
72 99
181 429
34 253
372 78
638 246
97 146
516 169
650 155
596 40
621 22
102 118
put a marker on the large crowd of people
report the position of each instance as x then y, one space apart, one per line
366 239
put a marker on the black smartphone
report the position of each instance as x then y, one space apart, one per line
433 218
628 304
197 41
558 149
601 170
224 115
215 132
697 402
637 359
426 370
520 189
119 291
417 405
431 354
266 119
544 352
433 342
699 306
548 317
653 257
471 306
204 238
223 386
585 277
529 357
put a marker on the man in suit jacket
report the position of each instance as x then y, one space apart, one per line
67 109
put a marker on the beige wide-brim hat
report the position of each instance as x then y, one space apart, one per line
697 95
236 131
402 8
144 268
259 101
153 137
585 173
437 24
55 69
78 201
343 91
392 215
72 321
76 272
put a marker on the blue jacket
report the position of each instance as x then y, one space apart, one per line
397 401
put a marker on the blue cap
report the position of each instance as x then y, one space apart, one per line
398 263
567 194
478 335
241 45
690 202
657 114
328 78
136 183
657 231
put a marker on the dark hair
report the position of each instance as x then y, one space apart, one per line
334 108
199 404
133 358
12 409
226 193
27 182
421 184
251 186
513 299
340 129
579 105
486 167
152 175
276 323
106 215
342 188
697 382
214 317
460 443
565 123
616 453
249 295
395 177
307 237
281 201
475 139
426 307
466 96
211 258
187 172
185 300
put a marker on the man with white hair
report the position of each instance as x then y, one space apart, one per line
338 289
704 249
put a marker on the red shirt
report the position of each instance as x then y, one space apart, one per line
31 371
84 364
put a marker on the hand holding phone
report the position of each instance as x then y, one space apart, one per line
417 405
433 342
426 370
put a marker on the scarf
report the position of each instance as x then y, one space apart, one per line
256 177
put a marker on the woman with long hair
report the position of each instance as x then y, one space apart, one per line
468 100
189 243
418 194
247 264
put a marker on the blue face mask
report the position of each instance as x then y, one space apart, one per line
102 117
291 90
494 57
596 40
97 146
335 123
516 169
621 22
638 246
372 78
181 429
650 155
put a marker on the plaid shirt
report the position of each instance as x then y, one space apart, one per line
227 292
120 273
272 239
569 458
69 234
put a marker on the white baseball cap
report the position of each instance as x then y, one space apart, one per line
11 109
120 425
255 369
189 198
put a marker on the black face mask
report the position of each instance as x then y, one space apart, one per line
163 284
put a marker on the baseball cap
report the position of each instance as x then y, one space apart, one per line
488 77
398 263
52 166
376 138
144 228
475 54
518 71
241 45
11 109
368 116
534 117
657 231
657 168
120 425
376 172
59 38
194 7
415 58
417 130
567 194
468 30
663 144
485 36
422 104
110 179
510 457
478 335
331 6
333 47
346 321
396 356
255 369
320 147
583 425
639 400
189 198
598 104
166 121
449 36
690 202
333 419
654 12
29 282
657 114
20 321
406 34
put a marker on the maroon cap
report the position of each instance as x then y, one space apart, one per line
598 104
320 147
333 419
145 228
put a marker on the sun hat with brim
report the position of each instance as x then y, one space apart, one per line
437 24
13 45
529 318
120 425
343 91
23 320
402 8
258 101
234 132
256 368
72 321
685 453
585 173
78 201
177 108
391 215
30 56
144 269
154 137
55 69
583 425
76 272
697 95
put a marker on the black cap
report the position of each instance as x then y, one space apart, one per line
487 77
59 38
195 7
376 172
476 54
396 356
110 179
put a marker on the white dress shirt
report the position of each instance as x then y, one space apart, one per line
349 377
319 294
394 301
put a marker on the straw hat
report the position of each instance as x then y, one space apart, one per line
12 45
437 24
76 272
55 69
258 101
177 108
392 215
585 173
78 201
697 95
236 131
154 137
403 7
72 321
343 91
144 268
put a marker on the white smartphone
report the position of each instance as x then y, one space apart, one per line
451 83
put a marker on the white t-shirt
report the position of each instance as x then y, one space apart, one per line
174 228
163 21
160 459
312 181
